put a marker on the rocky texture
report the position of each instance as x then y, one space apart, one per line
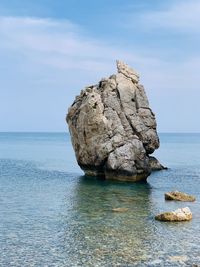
178 215
113 129
179 196
155 164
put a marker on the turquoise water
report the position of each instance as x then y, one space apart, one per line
51 215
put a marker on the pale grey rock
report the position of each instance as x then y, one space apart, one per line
113 129
127 71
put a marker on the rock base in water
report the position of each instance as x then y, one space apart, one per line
155 164
178 215
179 196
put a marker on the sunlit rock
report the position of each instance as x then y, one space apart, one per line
113 129
178 215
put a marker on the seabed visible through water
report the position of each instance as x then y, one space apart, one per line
51 215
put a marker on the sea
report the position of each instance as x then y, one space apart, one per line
52 215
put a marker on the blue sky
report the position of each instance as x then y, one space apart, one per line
50 50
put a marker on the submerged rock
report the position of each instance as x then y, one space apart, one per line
120 209
179 196
179 258
113 129
178 215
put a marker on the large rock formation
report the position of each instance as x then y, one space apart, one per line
113 129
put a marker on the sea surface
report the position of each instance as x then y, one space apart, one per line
52 215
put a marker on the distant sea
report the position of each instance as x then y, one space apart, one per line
51 215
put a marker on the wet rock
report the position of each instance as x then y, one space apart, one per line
179 196
113 129
178 215
155 164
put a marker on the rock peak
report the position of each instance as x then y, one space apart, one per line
127 71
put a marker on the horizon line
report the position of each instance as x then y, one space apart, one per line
66 132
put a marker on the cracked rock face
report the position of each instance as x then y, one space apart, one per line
113 129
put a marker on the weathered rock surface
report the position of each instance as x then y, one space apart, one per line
179 196
178 215
113 129
155 164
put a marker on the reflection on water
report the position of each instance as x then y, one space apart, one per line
58 218
101 235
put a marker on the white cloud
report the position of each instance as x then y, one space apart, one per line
50 54
64 45
180 16
58 43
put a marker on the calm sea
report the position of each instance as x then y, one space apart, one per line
51 215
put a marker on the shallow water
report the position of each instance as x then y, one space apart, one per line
51 215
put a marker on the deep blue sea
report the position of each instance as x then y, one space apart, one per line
51 215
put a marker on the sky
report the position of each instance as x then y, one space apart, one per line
50 50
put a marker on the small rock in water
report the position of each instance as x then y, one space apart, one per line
120 209
180 258
179 196
178 215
